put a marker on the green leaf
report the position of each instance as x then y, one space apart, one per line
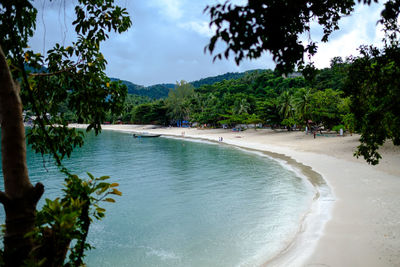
103 178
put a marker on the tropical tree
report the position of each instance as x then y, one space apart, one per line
288 122
178 101
232 119
241 106
130 103
286 105
374 90
204 108
349 122
301 103
150 113
278 26
325 107
268 111
73 75
253 119
333 77
141 113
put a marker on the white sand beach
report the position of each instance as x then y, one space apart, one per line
364 224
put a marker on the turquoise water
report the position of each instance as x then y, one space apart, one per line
184 203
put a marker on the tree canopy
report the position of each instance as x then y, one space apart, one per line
258 97
69 77
276 26
374 89
273 26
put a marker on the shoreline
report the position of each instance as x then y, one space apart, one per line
311 222
364 227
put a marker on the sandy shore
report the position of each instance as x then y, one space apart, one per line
364 226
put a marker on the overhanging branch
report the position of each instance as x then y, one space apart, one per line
45 74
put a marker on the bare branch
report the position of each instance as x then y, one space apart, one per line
46 74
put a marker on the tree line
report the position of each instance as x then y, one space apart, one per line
260 97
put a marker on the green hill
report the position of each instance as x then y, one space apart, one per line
220 78
158 91
154 91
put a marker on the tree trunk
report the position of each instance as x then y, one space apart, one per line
20 197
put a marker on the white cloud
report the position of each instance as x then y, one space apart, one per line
345 46
172 9
200 27
165 31
355 30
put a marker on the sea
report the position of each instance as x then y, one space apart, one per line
184 202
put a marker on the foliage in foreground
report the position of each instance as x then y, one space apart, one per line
374 89
250 29
66 221
68 78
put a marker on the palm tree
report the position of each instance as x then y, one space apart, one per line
301 103
285 104
241 106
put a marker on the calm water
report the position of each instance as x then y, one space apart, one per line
184 203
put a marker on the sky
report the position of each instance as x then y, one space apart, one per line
166 41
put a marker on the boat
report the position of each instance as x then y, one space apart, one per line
145 135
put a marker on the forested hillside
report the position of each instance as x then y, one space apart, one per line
220 78
159 91
154 91
264 97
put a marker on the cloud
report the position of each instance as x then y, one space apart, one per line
358 29
200 27
167 40
170 9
